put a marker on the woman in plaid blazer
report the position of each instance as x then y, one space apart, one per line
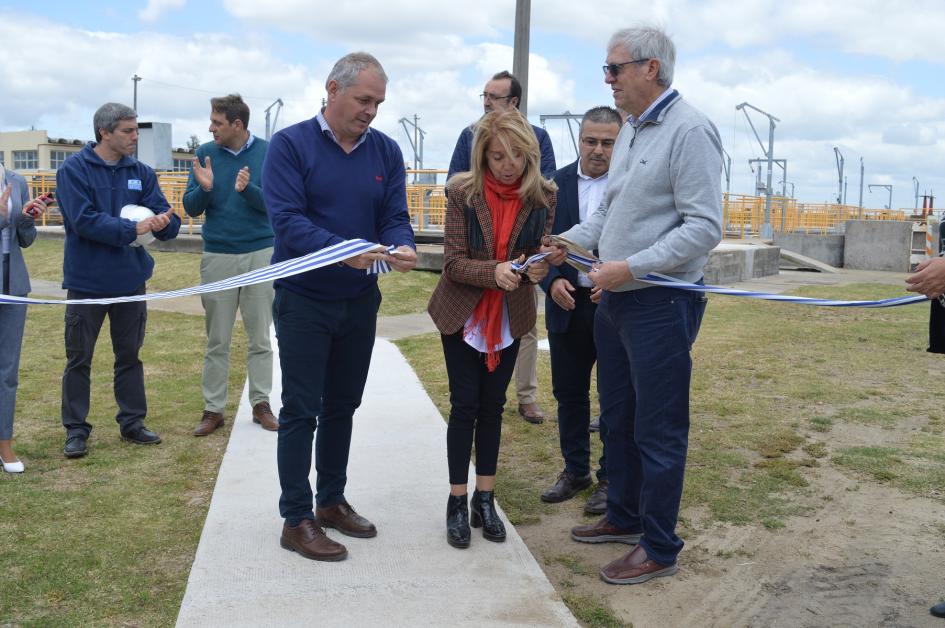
497 213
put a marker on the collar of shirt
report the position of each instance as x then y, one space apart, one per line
323 123
648 115
249 142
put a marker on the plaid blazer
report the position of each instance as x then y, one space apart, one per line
469 261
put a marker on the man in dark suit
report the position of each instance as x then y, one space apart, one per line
569 313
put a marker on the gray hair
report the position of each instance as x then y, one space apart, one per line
346 70
109 115
602 115
648 43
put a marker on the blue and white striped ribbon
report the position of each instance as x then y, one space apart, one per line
523 267
657 279
287 268
380 267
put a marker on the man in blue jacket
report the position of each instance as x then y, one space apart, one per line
100 261
503 91
225 186
327 180
569 314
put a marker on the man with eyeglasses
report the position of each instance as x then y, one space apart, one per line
569 314
503 92
661 213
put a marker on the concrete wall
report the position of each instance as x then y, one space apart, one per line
822 247
729 263
877 245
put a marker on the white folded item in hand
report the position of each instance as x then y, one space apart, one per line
137 213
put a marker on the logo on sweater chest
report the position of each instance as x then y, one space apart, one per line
378 178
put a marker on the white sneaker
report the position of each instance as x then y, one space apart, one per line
12 467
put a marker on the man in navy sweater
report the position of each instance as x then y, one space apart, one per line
504 91
101 261
226 189
327 180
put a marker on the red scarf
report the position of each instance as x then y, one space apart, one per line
504 204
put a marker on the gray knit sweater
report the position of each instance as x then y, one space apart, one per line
662 211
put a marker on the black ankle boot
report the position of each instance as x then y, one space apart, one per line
457 521
484 514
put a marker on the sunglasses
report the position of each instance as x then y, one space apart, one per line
613 69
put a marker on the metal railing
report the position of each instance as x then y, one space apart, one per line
742 215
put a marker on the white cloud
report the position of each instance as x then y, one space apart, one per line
156 8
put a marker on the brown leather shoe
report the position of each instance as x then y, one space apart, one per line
309 540
531 413
634 567
343 518
604 532
596 504
209 423
262 414
565 487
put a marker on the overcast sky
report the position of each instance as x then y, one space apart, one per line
866 77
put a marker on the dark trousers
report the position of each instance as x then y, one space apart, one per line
936 327
325 352
573 355
643 342
477 398
127 322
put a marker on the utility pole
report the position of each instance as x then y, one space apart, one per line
416 142
844 190
915 184
887 187
271 128
134 102
766 231
839 158
727 168
523 10
861 188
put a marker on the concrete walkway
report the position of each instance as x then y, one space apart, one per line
407 576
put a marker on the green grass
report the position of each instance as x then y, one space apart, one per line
108 539
770 383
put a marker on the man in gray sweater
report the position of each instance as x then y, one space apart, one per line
661 213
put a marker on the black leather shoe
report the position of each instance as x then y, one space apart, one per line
141 436
482 514
565 487
75 447
457 521
938 610
596 504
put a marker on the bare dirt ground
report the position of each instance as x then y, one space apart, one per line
865 555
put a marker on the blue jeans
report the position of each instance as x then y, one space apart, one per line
325 351
643 340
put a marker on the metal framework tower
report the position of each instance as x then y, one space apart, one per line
766 231
416 142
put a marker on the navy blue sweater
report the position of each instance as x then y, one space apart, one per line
318 195
98 257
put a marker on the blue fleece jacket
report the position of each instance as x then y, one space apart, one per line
235 222
318 195
99 258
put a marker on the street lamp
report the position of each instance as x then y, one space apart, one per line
915 184
766 231
887 187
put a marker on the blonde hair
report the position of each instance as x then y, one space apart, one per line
515 134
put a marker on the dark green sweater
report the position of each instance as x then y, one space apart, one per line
236 222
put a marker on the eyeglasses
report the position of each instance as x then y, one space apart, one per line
614 68
492 97
592 142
